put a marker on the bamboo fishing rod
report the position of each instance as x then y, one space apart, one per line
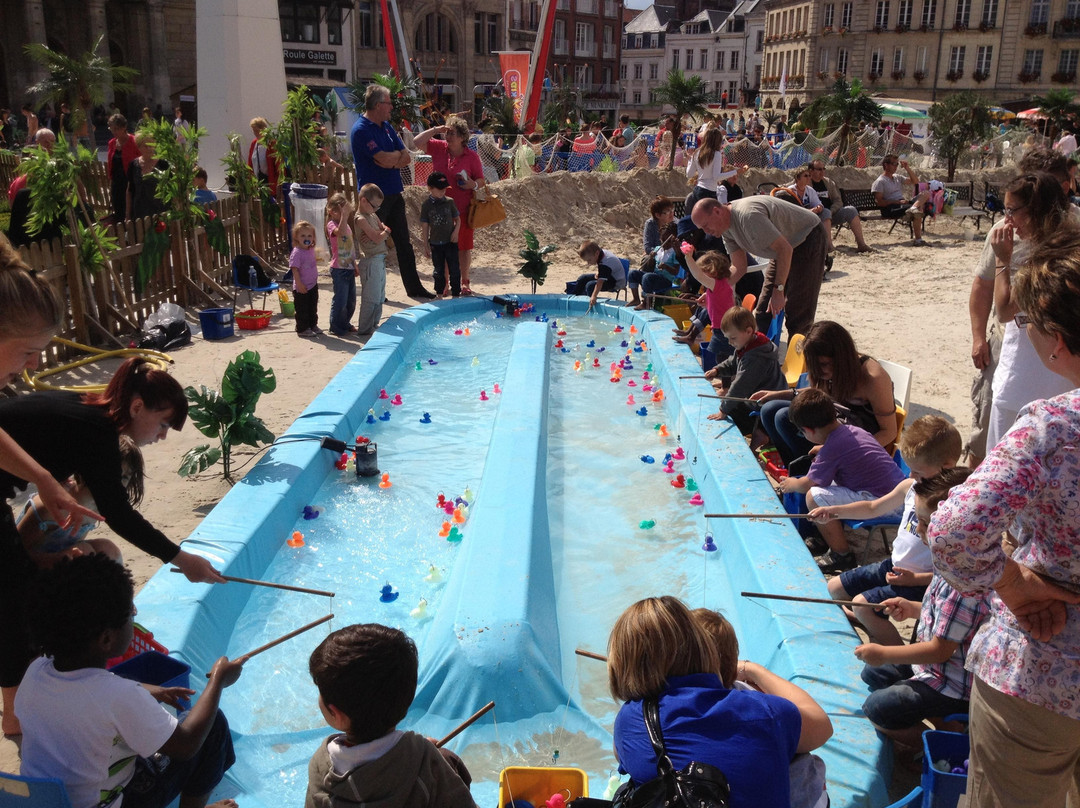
729 398
468 722
283 638
272 585
590 655
757 516
798 599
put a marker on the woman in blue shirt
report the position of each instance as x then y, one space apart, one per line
657 650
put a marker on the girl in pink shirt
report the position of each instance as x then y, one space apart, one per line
713 271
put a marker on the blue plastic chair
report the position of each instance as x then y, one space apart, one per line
775 328
32 792
625 288
882 522
245 273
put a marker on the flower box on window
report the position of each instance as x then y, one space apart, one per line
981 75
1035 29
1063 78
898 75
902 29
919 75
1026 77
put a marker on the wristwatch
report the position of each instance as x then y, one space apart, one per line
779 287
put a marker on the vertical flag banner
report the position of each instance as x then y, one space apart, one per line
388 35
515 71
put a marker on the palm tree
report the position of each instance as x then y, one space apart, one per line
563 108
956 123
841 109
1058 106
79 81
405 95
500 118
687 96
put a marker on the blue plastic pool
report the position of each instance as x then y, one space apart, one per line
553 547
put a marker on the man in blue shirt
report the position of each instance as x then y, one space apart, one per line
379 156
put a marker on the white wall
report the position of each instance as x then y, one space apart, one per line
241 73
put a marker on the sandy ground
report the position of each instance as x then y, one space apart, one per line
903 303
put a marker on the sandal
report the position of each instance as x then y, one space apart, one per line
465 290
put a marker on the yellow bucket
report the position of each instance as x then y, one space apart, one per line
537 784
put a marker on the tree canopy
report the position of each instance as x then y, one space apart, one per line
956 123
687 96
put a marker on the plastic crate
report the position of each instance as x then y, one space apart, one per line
142 640
253 319
771 458
216 323
536 784
943 789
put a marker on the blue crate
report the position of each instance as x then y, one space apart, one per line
156 668
943 789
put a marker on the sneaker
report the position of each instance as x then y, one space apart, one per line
919 243
306 333
318 331
816 545
829 262
833 563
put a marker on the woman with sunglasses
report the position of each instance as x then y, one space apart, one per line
1025 714
1035 207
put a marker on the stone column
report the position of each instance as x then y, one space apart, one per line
159 56
35 33
99 27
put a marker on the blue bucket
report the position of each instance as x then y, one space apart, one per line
155 668
309 190
216 323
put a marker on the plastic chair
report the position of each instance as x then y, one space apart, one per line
766 187
775 329
748 302
17 791
901 379
882 522
794 362
248 274
625 288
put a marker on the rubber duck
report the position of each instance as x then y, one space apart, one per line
432 362
627 364
460 501
342 461
383 395
577 365
467 332
618 329
425 418
370 417
564 350
656 427
445 531
691 484
642 412
561 333
668 457
496 388
696 499
624 344
648 368
613 367
647 524
459 516
638 349
420 612
385 482
361 440
646 388
555 801
554 323
664 431
385 416
631 383
590 344
458 332
686 247
297 539
596 362
658 395
419 366
311 512
455 536
669 467
442 501
709 546
648 459
679 482
434 574
558 343
633 329
468 495
679 453
630 400
387 593
475 361
622 364
498 315
396 400
448 508
483 395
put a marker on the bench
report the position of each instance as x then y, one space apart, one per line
966 204
862 199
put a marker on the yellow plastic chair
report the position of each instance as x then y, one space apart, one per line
794 364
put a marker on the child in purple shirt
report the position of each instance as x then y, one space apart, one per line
305 273
850 466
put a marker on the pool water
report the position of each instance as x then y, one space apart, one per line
598 493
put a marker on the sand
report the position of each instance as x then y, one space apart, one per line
903 303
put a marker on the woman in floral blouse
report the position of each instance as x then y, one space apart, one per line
1025 703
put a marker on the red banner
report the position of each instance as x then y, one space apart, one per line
388 34
515 70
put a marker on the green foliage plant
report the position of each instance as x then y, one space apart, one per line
1059 106
958 122
536 266
229 416
295 139
841 109
405 95
687 96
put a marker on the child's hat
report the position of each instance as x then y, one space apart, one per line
437 180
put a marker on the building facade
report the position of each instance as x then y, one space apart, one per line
723 49
644 65
922 49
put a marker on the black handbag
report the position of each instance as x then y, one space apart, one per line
696 785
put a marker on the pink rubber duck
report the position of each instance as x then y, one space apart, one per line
483 395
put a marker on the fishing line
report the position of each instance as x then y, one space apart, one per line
816 633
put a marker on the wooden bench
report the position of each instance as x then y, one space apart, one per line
966 205
862 199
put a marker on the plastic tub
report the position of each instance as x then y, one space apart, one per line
155 668
536 784
254 319
216 323
943 789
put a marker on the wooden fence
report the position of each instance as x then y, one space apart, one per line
105 308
